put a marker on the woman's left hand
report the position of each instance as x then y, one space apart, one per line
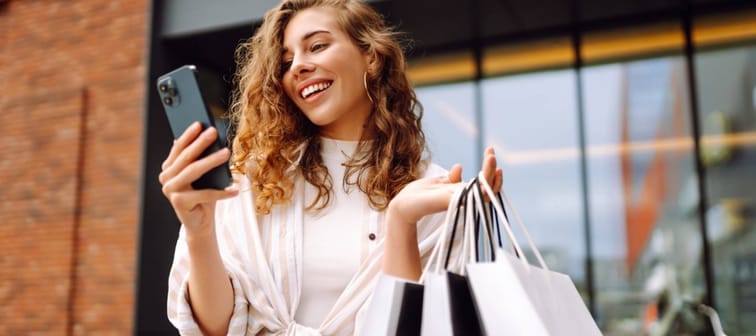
420 198
424 196
430 195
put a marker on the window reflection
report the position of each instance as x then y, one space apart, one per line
643 187
531 120
449 125
727 115
643 195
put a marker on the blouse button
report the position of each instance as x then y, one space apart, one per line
371 236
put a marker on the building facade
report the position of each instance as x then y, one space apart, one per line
73 78
627 134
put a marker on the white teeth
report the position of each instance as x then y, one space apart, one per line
315 88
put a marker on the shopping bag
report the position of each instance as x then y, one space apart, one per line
515 298
448 307
395 309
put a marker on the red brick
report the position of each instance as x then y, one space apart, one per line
65 65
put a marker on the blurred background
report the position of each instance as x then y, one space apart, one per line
626 130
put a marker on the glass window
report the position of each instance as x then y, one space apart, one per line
531 56
450 126
531 120
646 241
727 117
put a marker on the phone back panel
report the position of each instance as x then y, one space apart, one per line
187 105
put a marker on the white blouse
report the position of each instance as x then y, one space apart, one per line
333 238
265 262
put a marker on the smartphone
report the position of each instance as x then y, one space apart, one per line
184 104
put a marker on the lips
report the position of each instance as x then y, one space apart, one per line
311 89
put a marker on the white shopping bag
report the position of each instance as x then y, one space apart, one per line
395 308
448 307
516 298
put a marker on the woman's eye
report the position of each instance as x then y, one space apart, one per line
317 46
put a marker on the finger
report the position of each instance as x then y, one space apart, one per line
178 147
498 181
196 147
191 152
489 169
196 169
171 156
187 200
438 199
179 144
455 174
489 165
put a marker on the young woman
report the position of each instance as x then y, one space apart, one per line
331 184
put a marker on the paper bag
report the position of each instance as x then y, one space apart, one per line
395 308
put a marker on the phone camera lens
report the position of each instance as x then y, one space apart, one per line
168 101
163 87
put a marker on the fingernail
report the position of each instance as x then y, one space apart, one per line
232 189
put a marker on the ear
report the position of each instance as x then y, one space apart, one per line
371 61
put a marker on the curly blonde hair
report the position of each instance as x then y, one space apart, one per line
274 139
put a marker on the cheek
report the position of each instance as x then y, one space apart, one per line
356 78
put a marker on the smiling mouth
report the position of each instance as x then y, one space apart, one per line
315 88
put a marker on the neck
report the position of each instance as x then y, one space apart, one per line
354 130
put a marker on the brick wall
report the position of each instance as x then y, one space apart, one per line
72 77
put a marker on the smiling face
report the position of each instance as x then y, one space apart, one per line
323 74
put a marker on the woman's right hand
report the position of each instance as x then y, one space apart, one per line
194 208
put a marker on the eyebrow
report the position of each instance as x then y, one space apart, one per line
307 36
313 33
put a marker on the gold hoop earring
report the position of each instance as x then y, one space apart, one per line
364 82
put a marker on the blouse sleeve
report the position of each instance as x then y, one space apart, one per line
180 311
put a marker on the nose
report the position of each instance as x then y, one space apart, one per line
301 66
